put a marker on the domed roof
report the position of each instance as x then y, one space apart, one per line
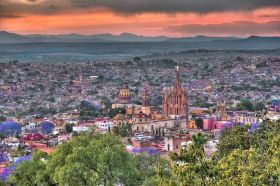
124 92
10 128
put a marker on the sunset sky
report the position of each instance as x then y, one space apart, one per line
143 17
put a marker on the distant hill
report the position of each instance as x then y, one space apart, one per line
127 37
198 42
6 37
200 39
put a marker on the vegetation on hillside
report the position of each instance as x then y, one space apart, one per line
247 155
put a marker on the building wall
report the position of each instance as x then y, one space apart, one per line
172 143
151 126
246 117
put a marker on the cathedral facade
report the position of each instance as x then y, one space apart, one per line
175 99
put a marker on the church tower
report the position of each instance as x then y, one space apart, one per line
175 99
221 112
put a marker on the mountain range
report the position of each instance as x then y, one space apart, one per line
7 37
252 42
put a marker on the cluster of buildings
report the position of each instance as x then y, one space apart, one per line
160 116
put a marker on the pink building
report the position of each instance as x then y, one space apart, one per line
209 123
212 123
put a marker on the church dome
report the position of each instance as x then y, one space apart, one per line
124 95
124 92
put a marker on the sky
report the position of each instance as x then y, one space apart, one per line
175 18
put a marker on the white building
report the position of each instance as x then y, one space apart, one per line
104 124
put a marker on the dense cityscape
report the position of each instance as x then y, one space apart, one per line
155 105
139 93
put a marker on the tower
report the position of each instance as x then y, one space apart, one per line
221 111
175 99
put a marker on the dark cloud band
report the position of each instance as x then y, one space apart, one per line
235 28
135 6
173 6
9 16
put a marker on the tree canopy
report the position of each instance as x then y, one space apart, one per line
244 157
85 160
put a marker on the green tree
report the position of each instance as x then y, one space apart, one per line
149 167
31 172
92 160
116 130
125 129
190 166
234 138
199 123
2 118
245 104
86 160
69 127
115 111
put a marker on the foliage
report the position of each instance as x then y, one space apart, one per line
2 118
190 166
11 169
122 130
246 104
149 165
47 127
88 109
92 160
86 160
31 172
199 123
10 128
244 157
68 127
201 103
234 138
113 112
